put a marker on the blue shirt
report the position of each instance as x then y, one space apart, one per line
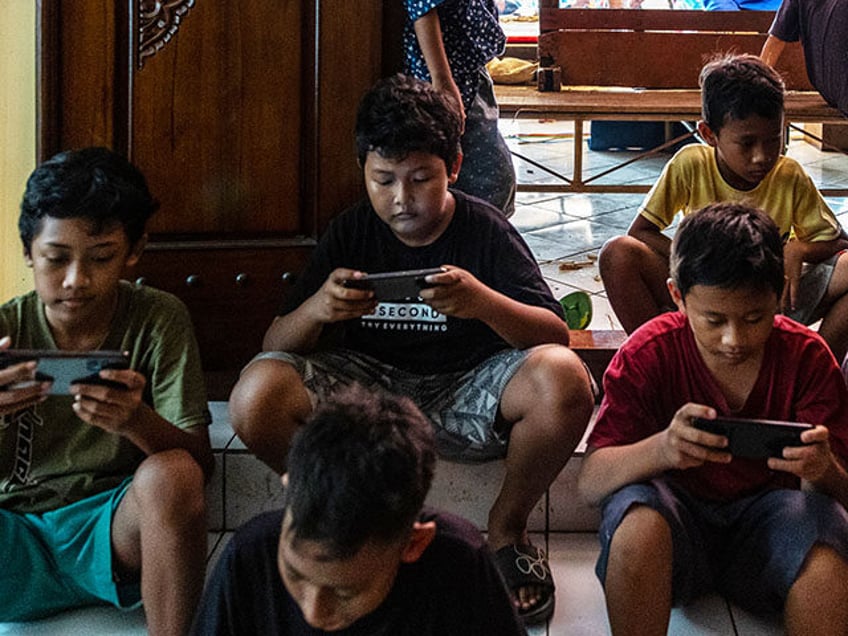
472 36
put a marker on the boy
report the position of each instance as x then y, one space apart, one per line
482 351
352 551
742 104
101 491
822 28
682 515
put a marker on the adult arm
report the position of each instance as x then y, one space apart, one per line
428 31
772 48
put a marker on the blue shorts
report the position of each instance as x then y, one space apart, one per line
750 550
61 559
462 406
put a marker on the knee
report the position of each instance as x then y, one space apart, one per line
169 487
617 256
559 383
643 535
259 393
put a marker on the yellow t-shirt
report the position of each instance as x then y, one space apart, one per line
691 180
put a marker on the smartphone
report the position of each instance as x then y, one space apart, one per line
389 286
755 438
65 368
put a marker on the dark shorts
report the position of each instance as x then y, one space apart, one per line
462 406
815 279
750 550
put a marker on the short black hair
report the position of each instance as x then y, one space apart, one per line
402 114
727 245
96 184
737 86
358 471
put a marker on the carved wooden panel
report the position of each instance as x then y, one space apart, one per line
158 22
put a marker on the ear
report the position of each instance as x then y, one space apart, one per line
421 537
28 257
136 250
676 296
453 174
706 133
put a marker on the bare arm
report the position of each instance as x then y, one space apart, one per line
122 412
458 293
650 235
428 31
681 446
796 253
299 330
772 48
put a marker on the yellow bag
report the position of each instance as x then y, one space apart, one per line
511 70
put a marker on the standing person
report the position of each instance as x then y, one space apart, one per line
822 28
353 551
681 515
101 491
481 349
447 43
743 127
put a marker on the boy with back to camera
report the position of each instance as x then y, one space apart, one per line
482 351
101 491
680 514
352 551
742 108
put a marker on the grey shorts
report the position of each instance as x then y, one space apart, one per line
751 550
462 406
815 279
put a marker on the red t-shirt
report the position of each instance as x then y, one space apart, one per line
659 369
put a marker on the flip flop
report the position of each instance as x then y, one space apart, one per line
524 566
578 309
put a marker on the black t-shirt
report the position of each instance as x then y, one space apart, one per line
410 335
453 588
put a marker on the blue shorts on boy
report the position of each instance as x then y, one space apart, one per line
61 559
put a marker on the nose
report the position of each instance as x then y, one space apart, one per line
317 607
760 154
402 193
76 276
732 336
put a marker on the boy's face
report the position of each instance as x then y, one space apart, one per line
746 149
334 593
76 273
410 195
731 326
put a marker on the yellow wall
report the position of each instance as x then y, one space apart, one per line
17 134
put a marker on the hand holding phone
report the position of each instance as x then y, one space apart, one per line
389 286
755 438
64 368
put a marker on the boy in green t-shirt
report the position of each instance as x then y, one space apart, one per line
102 490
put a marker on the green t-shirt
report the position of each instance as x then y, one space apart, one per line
48 456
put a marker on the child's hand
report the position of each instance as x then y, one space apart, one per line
455 292
809 462
334 302
793 261
30 392
108 407
684 446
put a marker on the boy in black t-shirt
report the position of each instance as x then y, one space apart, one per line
352 552
482 350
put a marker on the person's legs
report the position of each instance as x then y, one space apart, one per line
818 601
159 532
267 405
640 559
634 278
549 401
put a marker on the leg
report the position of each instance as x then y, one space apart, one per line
159 530
818 600
834 326
640 559
635 278
267 405
550 401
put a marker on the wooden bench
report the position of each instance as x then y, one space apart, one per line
643 65
596 348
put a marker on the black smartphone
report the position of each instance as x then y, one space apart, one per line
65 368
755 438
400 285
